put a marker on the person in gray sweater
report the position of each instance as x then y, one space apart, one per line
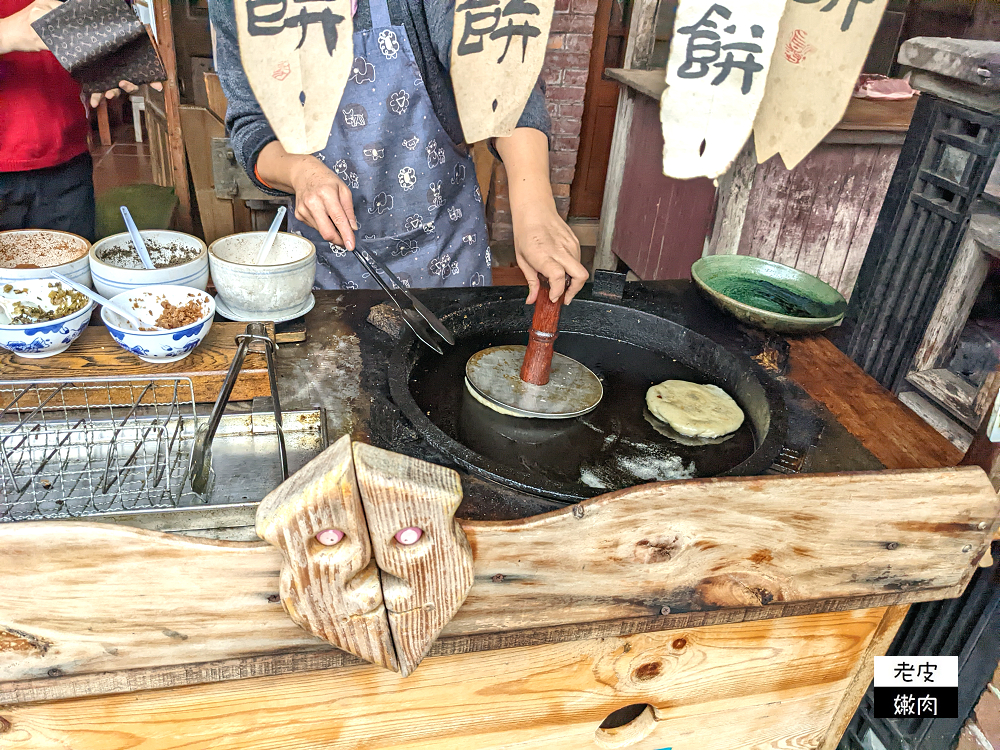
396 179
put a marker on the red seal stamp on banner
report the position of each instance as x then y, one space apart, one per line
797 49
282 71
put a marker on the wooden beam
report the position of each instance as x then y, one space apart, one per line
652 83
952 311
732 198
729 687
172 105
638 49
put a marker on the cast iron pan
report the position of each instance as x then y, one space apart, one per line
615 446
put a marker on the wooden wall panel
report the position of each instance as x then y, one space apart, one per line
772 684
662 223
820 216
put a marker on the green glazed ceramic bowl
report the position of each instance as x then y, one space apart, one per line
768 295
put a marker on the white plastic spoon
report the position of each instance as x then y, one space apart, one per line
271 234
136 321
140 246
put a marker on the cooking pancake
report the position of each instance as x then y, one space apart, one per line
694 410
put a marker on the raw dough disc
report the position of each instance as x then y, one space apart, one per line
694 410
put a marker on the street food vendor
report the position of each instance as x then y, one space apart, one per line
395 179
46 173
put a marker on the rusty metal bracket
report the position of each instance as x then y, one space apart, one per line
231 181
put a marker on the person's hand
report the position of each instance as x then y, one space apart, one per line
126 86
323 201
544 244
16 34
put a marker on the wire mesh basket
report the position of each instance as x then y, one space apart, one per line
93 446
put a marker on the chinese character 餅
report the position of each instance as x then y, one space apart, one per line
270 17
484 18
705 47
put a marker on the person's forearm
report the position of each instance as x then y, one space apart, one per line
525 155
276 167
5 43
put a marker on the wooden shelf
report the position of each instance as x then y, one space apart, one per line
652 83
866 121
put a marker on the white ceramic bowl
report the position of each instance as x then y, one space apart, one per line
275 290
158 346
45 339
41 251
111 279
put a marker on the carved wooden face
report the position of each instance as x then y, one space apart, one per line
330 582
423 555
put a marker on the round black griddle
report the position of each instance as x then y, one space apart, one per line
617 445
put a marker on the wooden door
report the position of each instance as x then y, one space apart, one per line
599 108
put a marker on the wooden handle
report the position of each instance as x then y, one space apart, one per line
541 338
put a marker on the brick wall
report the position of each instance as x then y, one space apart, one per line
982 730
565 74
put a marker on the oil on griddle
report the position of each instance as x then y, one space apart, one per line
613 447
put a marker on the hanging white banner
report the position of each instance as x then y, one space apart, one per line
822 46
718 64
497 53
297 57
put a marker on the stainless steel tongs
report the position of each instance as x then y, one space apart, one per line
414 311
201 454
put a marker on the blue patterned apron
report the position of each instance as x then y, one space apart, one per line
415 192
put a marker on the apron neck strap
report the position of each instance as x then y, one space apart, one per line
380 13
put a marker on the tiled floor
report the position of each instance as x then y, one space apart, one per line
123 163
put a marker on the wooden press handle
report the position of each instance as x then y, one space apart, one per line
541 338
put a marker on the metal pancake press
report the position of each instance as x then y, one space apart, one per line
492 377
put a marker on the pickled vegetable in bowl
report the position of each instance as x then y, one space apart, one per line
27 304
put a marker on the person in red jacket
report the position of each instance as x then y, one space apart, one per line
46 174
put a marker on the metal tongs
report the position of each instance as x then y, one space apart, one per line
201 454
414 311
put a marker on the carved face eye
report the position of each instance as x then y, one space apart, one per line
409 536
330 537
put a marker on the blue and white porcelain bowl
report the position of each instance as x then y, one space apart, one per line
45 339
147 303
181 259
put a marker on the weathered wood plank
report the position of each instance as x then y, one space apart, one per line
740 543
970 60
933 415
956 395
732 197
850 205
878 185
423 555
830 197
964 281
765 685
329 583
765 209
